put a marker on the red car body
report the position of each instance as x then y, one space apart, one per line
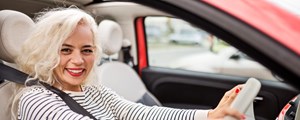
266 17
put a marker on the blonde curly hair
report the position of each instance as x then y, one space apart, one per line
40 52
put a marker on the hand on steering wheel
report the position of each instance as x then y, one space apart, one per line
223 107
237 101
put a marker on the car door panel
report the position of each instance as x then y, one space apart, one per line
187 89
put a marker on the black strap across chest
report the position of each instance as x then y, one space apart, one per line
14 75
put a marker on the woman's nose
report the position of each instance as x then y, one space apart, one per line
77 58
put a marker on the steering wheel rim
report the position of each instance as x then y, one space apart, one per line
244 100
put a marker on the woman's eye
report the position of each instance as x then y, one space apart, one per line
66 50
87 51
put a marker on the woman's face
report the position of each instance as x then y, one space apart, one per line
76 59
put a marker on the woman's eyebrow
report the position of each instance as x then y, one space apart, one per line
87 46
67 45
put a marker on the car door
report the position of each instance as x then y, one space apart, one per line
202 87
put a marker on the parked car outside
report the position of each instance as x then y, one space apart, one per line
187 36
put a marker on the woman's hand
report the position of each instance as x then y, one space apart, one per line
223 109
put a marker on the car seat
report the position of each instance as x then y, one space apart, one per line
117 75
14 28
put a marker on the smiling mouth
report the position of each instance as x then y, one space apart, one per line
75 72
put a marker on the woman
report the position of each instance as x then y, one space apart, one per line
62 52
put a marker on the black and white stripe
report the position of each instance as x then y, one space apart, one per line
39 103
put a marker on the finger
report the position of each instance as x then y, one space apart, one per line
230 99
233 93
239 86
233 90
234 113
230 95
225 98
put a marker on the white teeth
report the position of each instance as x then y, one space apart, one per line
75 71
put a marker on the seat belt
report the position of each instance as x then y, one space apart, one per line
74 106
14 75
127 58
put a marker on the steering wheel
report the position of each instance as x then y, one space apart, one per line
244 100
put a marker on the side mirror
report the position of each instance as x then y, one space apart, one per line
235 57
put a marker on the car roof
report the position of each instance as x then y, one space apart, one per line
274 21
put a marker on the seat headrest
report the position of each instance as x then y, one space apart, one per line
14 28
111 36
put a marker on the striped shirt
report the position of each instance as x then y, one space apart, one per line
38 103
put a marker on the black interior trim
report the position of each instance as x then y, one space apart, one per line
196 90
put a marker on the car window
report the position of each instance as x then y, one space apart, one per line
174 43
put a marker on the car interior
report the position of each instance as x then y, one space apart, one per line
122 26
112 39
11 22
111 42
